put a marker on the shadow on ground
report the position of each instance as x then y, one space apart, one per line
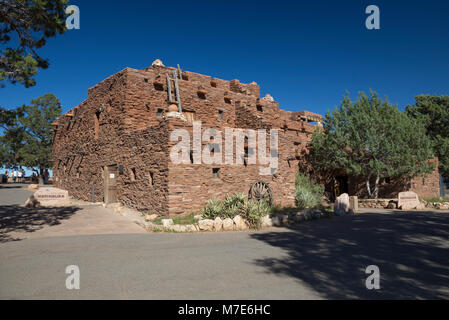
14 218
331 255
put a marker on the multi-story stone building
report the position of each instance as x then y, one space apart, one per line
115 146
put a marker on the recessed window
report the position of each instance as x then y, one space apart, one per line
146 80
132 174
151 178
159 113
260 108
191 156
215 172
213 84
158 86
227 100
220 115
201 95
97 124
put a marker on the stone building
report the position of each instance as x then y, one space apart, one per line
115 146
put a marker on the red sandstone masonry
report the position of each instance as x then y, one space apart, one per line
119 124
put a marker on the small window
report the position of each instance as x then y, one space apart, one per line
215 172
97 124
159 113
191 156
201 95
213 84
146 80
132 174
158 86
260 108
220 115
151 178
227 100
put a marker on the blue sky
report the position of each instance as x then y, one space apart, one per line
306 54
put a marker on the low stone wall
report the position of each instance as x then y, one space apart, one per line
436 205
392 204
238 223
376 203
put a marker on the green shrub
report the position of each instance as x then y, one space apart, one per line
237 204
308 193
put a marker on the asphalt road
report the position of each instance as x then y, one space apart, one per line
323 259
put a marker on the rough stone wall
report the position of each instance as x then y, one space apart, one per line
192 185
122 123
425 186
80 156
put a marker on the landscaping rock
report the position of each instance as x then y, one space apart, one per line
178 228
32 202
266 221
391 205
151 226
151 217
218 224
284 220
421 206
191 228
166 223
325 202
198 217
50 196
442 205
275 221
239 223
407 200
341 206
206 224
300 218
228 224
316 214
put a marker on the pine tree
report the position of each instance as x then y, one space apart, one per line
36 120
371 138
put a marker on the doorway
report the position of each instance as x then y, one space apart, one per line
110 184
340 185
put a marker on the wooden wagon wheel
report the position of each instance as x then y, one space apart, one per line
260 191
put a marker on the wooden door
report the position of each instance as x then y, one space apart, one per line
110 184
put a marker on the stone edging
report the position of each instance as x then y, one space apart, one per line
237 223
392 204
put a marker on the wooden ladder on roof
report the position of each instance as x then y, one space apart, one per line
172 82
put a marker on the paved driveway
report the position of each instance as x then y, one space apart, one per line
17 223
323 259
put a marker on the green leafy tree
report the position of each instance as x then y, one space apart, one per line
433 111
26 25
36 120
371 138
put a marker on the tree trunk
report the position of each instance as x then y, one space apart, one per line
368 188
376 187
41 176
